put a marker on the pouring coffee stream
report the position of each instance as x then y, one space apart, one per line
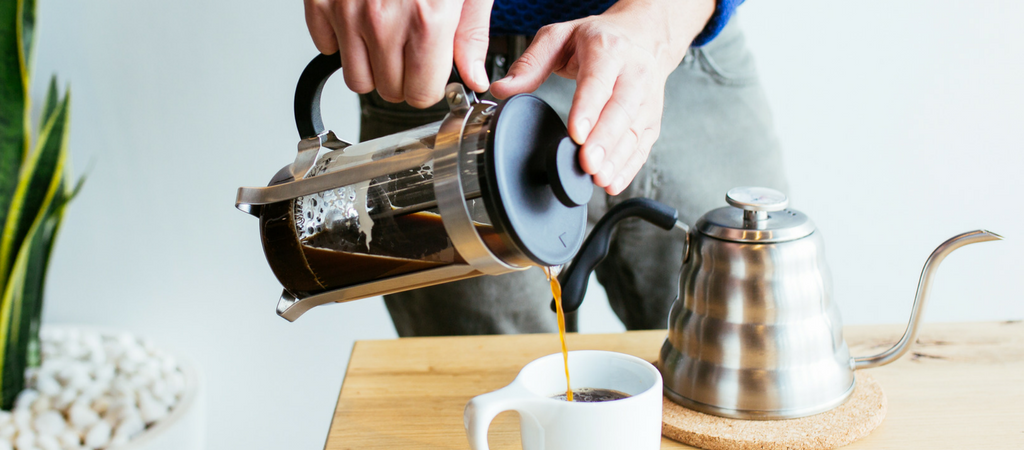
754 333
556 291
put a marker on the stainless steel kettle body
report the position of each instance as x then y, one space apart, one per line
754 332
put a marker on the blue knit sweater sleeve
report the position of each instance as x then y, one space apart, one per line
724 10
525 17
510 17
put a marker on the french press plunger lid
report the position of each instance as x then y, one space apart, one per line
545 216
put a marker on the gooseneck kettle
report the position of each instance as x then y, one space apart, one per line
754 332
490 189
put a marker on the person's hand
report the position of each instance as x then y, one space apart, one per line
404 48
620 61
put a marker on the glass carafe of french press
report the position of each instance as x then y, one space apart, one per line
492 188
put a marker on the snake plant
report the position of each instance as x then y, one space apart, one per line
34 191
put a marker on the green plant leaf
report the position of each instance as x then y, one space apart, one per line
38 266
75 190
40 248
40 177
12 372
34 192
22 301
52 99
28 30
14 133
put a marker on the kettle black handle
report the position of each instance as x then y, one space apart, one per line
595 247
311 85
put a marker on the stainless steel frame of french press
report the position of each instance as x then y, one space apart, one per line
449 191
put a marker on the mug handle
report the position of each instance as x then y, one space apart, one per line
482 409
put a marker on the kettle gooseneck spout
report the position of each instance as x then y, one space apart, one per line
923 287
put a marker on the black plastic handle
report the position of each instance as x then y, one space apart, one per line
595 248
311 85
307 94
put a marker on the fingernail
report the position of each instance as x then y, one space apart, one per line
596 156
606 170
480 73
584 131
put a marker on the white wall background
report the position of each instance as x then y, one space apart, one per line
901 122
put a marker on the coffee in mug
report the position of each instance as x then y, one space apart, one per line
592 395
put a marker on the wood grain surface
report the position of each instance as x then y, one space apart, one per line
962 386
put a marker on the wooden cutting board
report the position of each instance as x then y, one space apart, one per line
962 386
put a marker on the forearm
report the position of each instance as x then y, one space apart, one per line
667 26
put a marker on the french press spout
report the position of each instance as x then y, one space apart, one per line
490 189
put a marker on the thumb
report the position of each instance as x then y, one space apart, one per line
471 39
548 52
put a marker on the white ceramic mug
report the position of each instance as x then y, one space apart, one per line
632 423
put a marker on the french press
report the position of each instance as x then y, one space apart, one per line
490 189
754 332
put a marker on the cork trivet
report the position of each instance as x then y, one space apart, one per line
834 428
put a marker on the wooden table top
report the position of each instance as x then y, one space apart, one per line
962 386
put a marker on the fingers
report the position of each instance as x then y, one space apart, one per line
637 157
428 52
471 39
548 53
597 73
320 28
330 25
403 50
425 77
616 158
355 62
386 45
593 90
612 139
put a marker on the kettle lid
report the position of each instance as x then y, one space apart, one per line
755 214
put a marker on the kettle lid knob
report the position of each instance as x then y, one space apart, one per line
757 199
755 214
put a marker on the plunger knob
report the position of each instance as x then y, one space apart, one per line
571 185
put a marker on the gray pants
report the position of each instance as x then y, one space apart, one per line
716 134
